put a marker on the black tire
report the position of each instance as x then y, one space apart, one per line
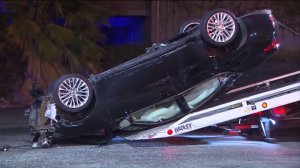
74 102
221 36
188 25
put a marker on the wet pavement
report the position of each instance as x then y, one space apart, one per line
204 148
201 150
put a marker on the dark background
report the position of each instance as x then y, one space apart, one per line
134 25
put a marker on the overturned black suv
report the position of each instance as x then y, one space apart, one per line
168 81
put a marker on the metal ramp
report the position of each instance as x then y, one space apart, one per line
240 107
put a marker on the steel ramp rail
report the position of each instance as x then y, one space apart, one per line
265 82
224 112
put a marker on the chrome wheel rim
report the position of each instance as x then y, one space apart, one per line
73 92
220 27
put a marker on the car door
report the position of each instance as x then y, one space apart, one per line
187 66
134 88
179 65
191 73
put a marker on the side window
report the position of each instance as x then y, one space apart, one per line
169 108
196 95
159 112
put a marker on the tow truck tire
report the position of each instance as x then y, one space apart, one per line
72 93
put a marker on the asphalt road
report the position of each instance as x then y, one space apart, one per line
198 150
204 148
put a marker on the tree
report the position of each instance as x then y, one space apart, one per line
55 37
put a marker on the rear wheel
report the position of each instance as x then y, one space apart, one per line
72 93
188 25
219 27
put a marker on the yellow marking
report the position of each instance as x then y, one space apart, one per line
264 105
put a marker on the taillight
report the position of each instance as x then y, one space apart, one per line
275 42
273 45
279 111
273 20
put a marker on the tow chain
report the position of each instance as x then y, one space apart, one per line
289 29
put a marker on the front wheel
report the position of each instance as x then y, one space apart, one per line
219 27
72 93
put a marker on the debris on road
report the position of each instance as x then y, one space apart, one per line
4 148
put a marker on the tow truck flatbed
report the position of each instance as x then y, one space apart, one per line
234 104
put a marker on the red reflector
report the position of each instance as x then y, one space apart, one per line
234 132
243 127
274 44
279 111
170 132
